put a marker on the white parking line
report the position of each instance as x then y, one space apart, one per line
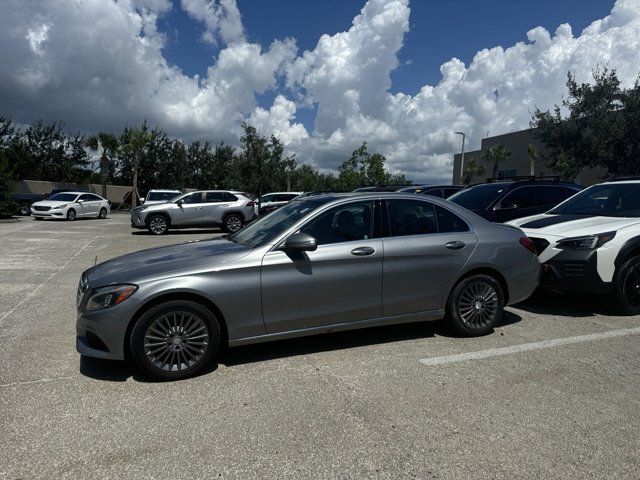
525 347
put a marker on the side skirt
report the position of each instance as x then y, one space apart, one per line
341 327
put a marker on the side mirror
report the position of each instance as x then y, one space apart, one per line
179 202
80 201
141 201
300 242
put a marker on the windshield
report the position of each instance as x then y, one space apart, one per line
63 197
161 196
270 226
478 197
607 200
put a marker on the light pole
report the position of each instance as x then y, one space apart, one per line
461 155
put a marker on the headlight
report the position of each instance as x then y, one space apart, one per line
106 297
58 207
588 242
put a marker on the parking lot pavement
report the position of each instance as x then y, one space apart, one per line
408 401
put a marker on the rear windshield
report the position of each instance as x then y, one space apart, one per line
155 196
478 197
63 197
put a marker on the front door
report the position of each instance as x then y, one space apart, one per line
340 282
188 210
426 247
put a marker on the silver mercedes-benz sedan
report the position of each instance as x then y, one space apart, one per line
319 264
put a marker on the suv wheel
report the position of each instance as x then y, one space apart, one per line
626 287
158 225
475 305
175 340
232 223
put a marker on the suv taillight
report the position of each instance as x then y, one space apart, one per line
527 243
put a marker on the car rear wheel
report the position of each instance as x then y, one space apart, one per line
232 223
103 213
475 305
175 340
71 215
158 225
626 287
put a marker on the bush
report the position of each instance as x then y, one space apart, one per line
8 208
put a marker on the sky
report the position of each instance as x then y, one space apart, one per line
322 75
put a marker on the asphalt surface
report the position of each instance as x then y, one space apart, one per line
409 401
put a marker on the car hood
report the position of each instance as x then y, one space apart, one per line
166 261
50 203
571 225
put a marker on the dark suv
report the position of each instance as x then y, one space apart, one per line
440 191
502 201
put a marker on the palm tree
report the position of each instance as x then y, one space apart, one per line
107 144
532 153
136 139
471 169
496 155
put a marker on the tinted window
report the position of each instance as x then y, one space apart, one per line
450 222
63 197
411 217
95 198
230 197
434 192
345 223
214 197
447 192
161 196
522 197
86 198
267 198
610 200
480 196
192 198
554 195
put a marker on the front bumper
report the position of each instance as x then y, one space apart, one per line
60 214
574 271
138 220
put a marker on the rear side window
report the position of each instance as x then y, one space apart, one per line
86 198
447 192
449 222
213 197
434 192
95 198
522 197
411 217
554 195
230 197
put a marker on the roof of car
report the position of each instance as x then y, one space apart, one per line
76 192
163 190
283 193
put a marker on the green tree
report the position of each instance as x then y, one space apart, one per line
601 127
107 145
471 170
134 143
363 169
532 154
496 155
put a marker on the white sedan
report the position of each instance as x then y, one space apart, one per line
71 205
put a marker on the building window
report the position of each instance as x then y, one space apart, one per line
507 173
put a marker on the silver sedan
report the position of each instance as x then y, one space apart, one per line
319 264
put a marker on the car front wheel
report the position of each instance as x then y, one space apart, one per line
175 340
475 305
626 287
232 223
158 225
71 215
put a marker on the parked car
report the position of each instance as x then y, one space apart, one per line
206 208
320 264
506 200
155 196
71 205
273 201
381 188
440 191
591 243
25 200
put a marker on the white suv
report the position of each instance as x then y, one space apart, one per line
590 243
205 208
160 196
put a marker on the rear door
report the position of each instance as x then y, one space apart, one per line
340 282
425 247
213 207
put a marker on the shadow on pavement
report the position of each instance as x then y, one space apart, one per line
115 371
568 304
180 232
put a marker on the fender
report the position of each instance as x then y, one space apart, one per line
630 247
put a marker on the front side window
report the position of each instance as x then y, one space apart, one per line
192 198
161 196
609 200
345 223
411 217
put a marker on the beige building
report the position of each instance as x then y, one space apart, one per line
518 164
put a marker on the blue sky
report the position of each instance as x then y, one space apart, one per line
440 30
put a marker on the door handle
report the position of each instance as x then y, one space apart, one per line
455 245
362 251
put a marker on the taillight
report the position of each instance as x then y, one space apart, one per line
527 243
251 203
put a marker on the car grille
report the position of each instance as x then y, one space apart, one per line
540 243
40 208
573 269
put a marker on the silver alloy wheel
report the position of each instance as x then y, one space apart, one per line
176 341
233 223
71 215
478 304
158 225
103 213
